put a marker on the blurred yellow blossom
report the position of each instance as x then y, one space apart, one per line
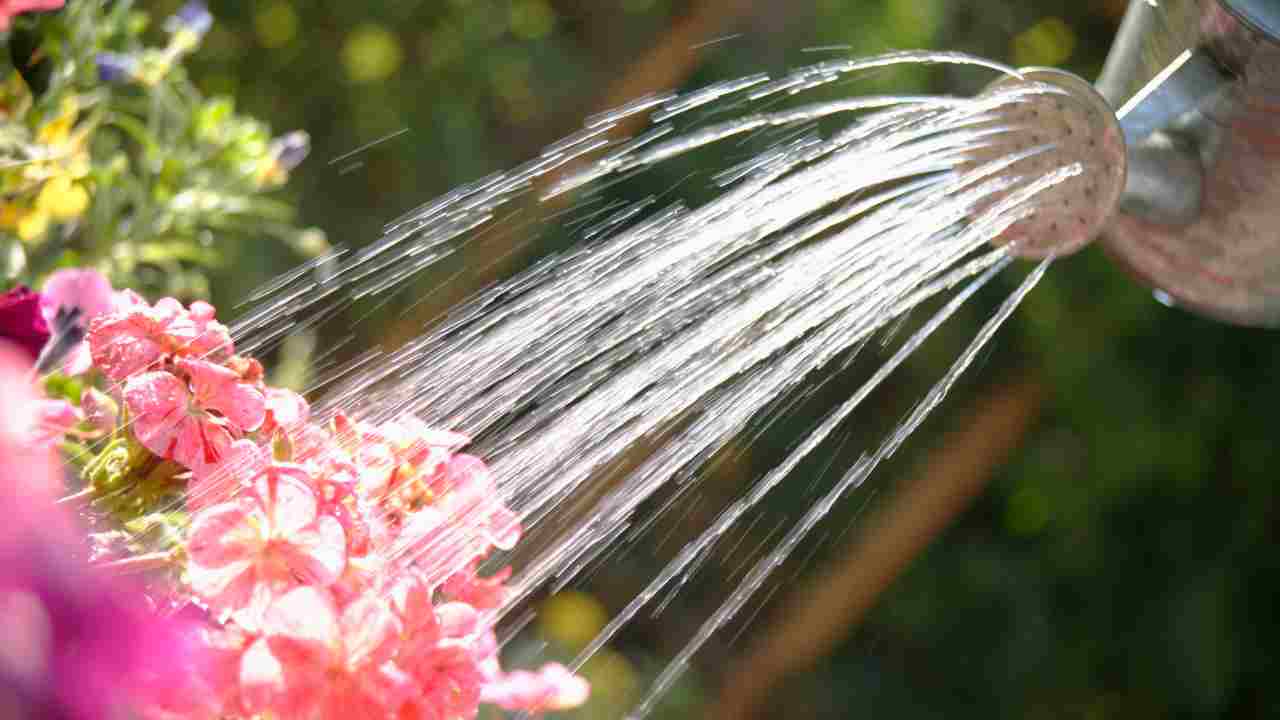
62 199
1049 42
572 618
371 54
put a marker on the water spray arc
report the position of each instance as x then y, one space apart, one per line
602 380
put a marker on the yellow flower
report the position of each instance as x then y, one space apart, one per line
10 214
62 199
32 226
58 130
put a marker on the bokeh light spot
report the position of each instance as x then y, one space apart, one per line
532 19
276 24
913 22
1027 512
571 619
1049 42
371 54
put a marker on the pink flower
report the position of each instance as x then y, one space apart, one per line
217 482
218 388
209 336
76 295
482 593
314 660
100 410
137 336
464 521
167 423
204 683
30 480
445 664
551 688
470 492
52 420
12 8
245 552
89 291
286 410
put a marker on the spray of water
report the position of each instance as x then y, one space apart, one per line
671 328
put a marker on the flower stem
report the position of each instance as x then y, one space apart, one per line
140 563
76 497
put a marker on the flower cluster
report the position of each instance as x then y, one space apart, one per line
320 569
117 160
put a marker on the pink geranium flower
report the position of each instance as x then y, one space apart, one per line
9 9
286 410
168 424
470 492
445 663
314 660
487 593
553 687
218 388
137 336
176 423
216 483
270 539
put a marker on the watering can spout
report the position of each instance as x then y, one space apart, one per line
1196 87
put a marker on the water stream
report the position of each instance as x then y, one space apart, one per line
608 375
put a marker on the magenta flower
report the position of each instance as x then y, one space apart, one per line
20 320
246 552
74 643
30 481
10 9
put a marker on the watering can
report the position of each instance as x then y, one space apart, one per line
1196 87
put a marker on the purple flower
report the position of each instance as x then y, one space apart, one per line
290 150
193 17
21 321
116 67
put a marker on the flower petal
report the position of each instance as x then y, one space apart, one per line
318 554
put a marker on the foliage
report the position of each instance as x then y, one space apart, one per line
111 158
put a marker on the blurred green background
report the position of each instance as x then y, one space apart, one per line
1121 563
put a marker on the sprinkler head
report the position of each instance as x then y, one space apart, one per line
1078 126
